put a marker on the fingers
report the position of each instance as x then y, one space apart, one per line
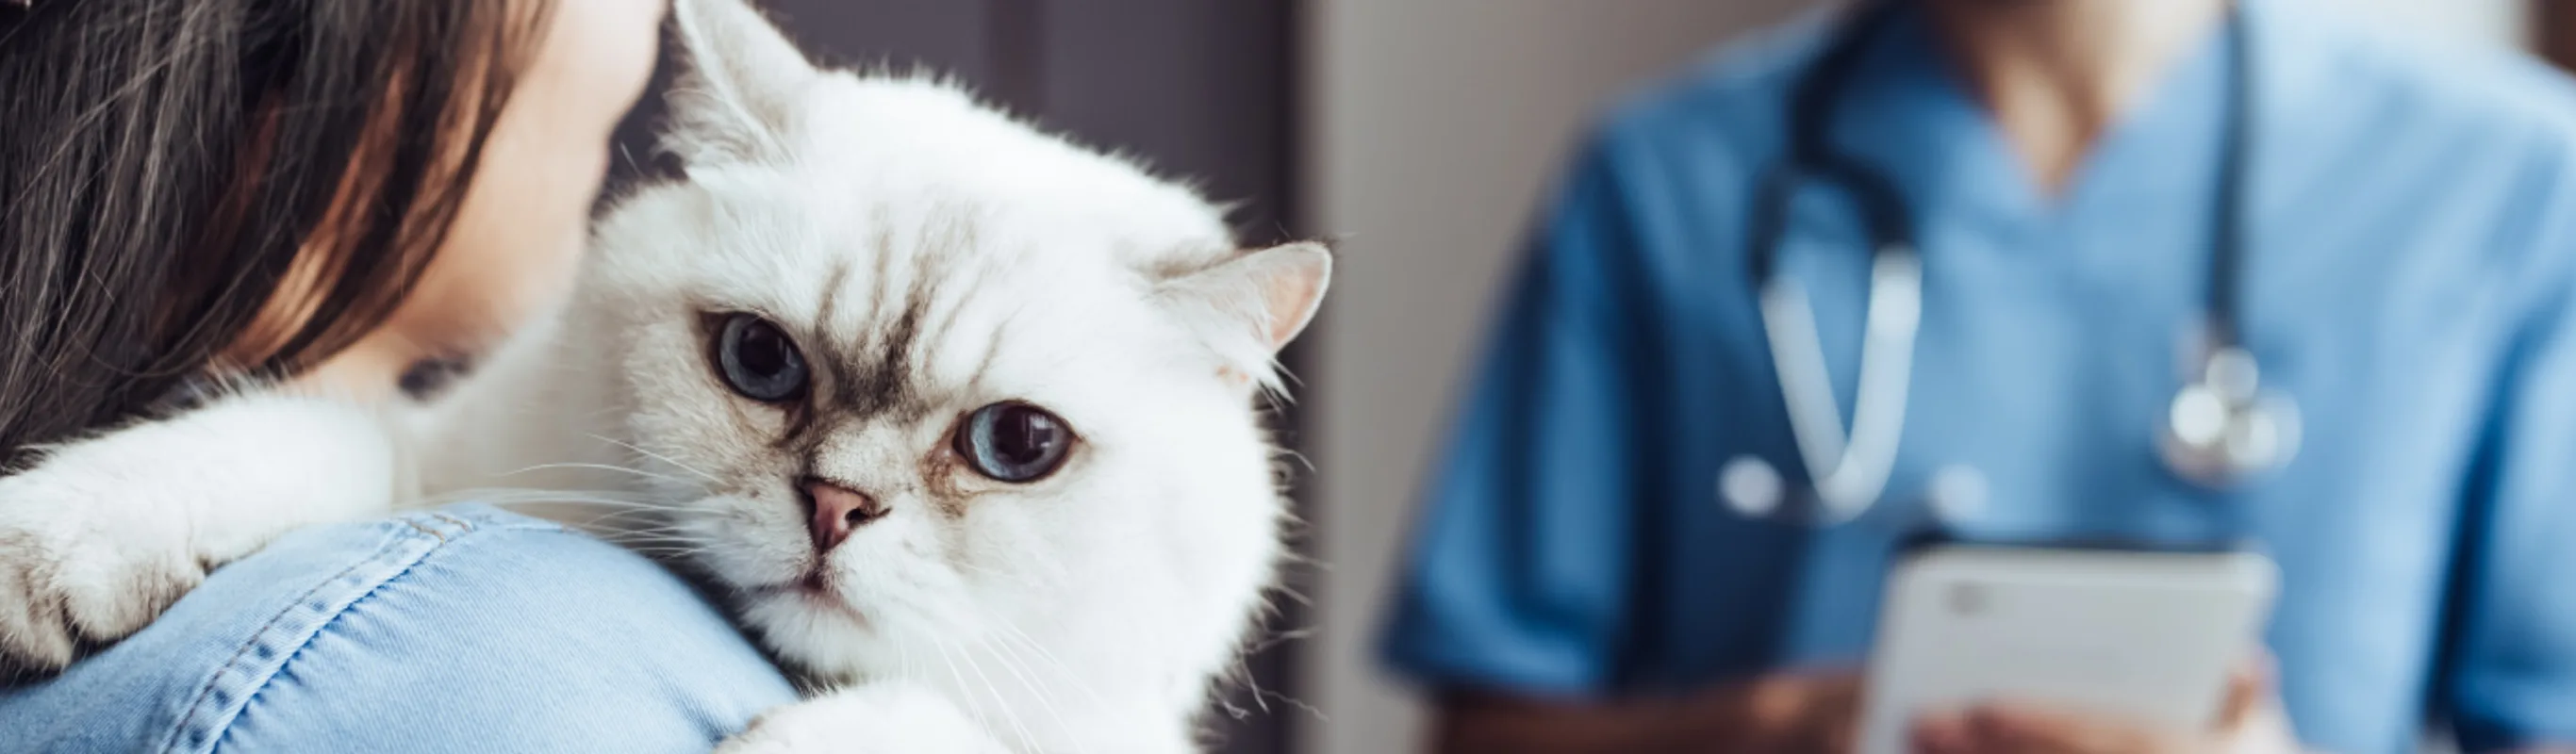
2020 730
2248 686
1837 713
1800 711
2015 728
2004 730
1941 733
2010 728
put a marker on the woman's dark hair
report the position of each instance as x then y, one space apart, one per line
195 188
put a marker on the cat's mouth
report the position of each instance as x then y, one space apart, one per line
815 591
826 599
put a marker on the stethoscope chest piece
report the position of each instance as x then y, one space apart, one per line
2224 426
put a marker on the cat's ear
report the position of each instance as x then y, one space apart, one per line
1250 306
739 81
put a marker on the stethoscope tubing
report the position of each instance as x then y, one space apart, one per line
1850 472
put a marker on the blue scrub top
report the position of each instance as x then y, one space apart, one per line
2408 281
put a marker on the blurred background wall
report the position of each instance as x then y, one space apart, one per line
1420 134
1432 128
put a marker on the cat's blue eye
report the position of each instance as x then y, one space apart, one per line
1014 442
758 360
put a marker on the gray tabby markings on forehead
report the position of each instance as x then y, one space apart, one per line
820 349
871 388
825 345
882 244
886 383
875 371
966 284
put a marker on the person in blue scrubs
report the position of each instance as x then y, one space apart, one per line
1576 583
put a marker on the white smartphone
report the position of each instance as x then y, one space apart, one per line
2146 635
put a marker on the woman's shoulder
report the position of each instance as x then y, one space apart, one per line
436 630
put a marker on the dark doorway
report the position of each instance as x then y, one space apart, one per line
1199 89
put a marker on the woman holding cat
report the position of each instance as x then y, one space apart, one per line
353 198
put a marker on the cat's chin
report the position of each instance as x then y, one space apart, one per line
805 604
818 631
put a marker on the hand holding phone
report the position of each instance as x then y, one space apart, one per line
2062 648
2250 722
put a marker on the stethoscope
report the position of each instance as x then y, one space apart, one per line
2222 426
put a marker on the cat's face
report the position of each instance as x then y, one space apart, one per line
922 380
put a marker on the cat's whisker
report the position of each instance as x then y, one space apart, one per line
607 509
1023 580
641 541
591 467
639 533
675 463
1027 744
666 550
489 496
1301 560
1050 569
664 545
616 518
1002 701
1262 697
602 516
670 548
624 534
570 498
670 552
600 498
1293 595
903 657
657 538
1011 664
1015 647
609 503
665 537
1079 683
1279 637
655 529
654 514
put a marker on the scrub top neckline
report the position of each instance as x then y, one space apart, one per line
1910 112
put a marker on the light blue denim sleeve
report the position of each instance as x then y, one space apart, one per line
459 629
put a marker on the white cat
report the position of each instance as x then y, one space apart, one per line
960 416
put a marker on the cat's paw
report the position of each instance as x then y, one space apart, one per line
884 718
79 566
101 535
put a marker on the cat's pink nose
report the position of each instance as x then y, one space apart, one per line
837 511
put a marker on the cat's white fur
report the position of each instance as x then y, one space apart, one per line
101 535
930 257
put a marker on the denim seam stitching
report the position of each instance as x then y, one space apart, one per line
189 714
282 663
